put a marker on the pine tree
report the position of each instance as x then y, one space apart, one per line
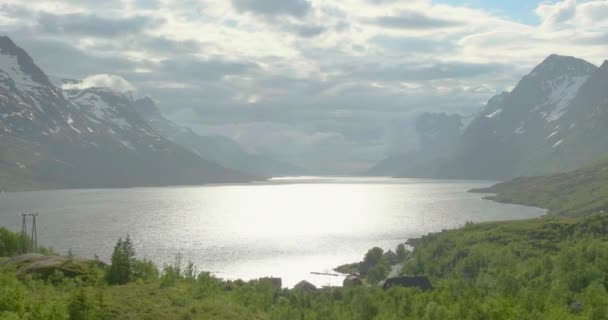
123 261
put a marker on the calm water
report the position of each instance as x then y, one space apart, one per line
286 228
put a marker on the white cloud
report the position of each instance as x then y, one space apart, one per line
107 81
555 14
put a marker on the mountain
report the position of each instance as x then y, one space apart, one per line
554 120
51 138
437 135
219 149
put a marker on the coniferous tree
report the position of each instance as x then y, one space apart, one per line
123 262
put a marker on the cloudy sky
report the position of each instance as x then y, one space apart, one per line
332 85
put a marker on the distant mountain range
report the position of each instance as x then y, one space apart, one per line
554 120
94 137
219 149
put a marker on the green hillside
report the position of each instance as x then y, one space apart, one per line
577 193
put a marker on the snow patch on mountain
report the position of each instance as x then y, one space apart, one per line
494 114
561 94
96 108
558 143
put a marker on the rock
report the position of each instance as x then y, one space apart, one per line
44 266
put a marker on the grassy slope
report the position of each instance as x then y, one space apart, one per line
578 193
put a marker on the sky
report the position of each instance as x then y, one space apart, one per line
330 85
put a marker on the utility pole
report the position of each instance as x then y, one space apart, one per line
34 232
33 236
24 233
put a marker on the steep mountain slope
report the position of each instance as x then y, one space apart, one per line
88 138
515 133
218 149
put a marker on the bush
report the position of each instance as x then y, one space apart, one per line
145 270
10 243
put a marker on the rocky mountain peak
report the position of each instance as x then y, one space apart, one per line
556 66
9 51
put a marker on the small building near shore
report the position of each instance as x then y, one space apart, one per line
422 283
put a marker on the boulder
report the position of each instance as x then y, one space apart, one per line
44 266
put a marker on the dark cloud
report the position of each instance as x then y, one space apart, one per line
308 31
296 8
414 20
93 25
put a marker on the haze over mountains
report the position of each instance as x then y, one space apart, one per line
554 120
219 149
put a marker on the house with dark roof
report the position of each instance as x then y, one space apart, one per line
422 283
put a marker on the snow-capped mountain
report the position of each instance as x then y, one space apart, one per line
554 120
219 149
92 137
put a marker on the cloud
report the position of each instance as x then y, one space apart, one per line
554 14
414 20
192 68
93 25
308 31
439 71
107 81
151 45
411 44
296 8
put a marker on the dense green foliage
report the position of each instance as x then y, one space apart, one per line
578 193
10 243
551 268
